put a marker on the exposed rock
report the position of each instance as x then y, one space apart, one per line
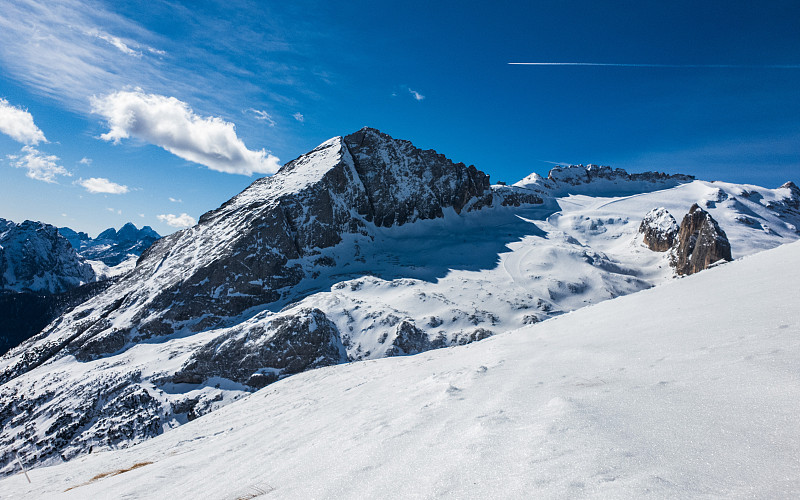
260 352
660 230
411 340
701 242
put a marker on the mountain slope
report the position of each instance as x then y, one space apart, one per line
685 390
351 252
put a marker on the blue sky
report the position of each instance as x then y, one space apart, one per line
221 89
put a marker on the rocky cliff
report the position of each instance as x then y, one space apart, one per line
701 242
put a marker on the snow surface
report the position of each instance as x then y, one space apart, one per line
493 270
686 390
104 272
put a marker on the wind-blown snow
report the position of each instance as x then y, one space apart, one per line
685 390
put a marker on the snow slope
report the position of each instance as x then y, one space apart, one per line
685 390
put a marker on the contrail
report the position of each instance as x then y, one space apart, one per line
645 65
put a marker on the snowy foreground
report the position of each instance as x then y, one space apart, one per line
689 389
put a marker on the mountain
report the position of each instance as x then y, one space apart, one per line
688 390
41 276
112 247
364 248
34 257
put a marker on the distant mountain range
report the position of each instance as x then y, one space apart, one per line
42 275
112 247
365 247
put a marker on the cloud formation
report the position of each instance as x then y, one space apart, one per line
299 117
116 42
40 166
17 123
416 95
65 50
180 221
172 125
102 185
262 116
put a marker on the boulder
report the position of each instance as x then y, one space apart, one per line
660 230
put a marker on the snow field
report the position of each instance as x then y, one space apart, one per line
685 390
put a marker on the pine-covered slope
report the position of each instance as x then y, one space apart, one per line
365 247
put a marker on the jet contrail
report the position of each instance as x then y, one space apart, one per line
644 65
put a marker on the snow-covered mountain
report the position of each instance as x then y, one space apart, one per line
112 247
34 257
687 390
40 277
366 247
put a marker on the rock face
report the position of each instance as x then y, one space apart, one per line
660 230
701 242
34 257
111 246
286 344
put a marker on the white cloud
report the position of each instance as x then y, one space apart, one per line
180 221
262 116
116 42
416 95
40 166
85 161
175 200
17 123
299 117
171 124
102 185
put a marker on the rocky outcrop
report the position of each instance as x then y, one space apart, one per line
659 230
701 242
34 257
262 351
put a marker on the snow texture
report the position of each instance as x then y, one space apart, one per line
687 390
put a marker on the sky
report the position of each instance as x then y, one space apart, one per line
154 112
